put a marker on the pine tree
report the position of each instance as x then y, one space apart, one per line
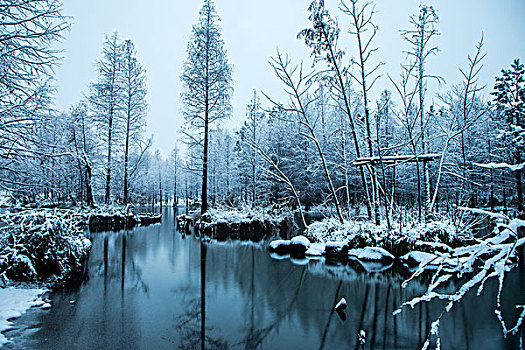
208 85
106 99
510 102
134 96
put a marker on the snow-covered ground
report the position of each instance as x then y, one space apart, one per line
13 303
361 234
245 215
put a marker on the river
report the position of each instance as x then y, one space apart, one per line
155 288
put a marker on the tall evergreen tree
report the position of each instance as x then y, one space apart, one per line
106 98
510 102
134 95
207 80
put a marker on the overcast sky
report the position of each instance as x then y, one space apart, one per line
253 29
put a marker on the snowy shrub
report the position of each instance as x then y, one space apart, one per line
42 245
398 241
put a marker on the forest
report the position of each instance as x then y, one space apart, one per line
415 166
328 145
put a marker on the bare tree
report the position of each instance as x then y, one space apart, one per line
28 30
419 38
322 38
295 83
361 18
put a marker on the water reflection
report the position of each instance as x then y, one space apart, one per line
153 288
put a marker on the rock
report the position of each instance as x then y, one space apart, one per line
417 258
46 306
315 249
299 245
371 254
279 246
335 249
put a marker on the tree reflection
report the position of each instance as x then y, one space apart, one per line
192 323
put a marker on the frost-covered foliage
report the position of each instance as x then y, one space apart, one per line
490 258
42 245
246 214
398 241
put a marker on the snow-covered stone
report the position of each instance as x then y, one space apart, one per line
334 248
280 246
371 254
46 306
300 240
299 245
315 249
416 258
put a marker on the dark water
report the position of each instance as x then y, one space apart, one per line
152 288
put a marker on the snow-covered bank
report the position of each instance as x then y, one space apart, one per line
440 235
243 223
13 303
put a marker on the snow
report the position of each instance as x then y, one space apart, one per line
512 167
245 214
418 257
371 254
46 306
315 249
300 240
274 245
13 303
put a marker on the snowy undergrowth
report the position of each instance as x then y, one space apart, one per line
42 245
245 214
398 241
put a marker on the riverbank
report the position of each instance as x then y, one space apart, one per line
240 223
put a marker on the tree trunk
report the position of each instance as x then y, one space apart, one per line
126 157
204 194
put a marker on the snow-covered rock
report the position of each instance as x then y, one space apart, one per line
299 245
416 258
279 246
46 306
334 248
300 240
371 254
315 249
